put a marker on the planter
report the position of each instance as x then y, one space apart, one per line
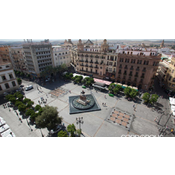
111 95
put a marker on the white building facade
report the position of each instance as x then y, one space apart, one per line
8 80
38 56
61 55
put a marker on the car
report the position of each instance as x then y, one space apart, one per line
58 128
29 87
48 79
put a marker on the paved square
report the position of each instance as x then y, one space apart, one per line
95 122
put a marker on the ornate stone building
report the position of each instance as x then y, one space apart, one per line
170 76
136 66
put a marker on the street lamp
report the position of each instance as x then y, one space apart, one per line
79 121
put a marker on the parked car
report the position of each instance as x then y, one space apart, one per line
48 79
29 87
58 128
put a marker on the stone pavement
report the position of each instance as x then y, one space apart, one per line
95 123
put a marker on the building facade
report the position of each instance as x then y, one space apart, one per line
18 59
8 80
61 55
38 56
135 66
170 75
4 53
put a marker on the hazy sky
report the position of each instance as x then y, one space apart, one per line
76 39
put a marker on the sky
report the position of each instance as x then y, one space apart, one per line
76 39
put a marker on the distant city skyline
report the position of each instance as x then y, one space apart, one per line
87 39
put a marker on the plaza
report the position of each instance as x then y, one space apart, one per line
96 123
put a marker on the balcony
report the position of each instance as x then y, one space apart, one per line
130 75
91 62
142 76
137 69
136 75
81 61
91 66
131 68
125 73
86 61
81 64
96 62
86 66
96 67
144 70
126 67
119 73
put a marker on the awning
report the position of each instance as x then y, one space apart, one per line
102 81
100 87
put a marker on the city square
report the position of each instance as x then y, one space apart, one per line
96 123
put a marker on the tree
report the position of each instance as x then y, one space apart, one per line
26 100
22 108
78 131
146 97
62 134
17 103
19 81
20 97
12 100
133 93
116 90
33 116
37 107
29 112
29 104
71 129
7 97
127 91
153 98
49 118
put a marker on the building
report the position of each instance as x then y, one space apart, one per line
162 71
38 56
8 80
137 68
18 59
170 75
4 53
162 44
61 55
131 66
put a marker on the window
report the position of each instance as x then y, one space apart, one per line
173 79
11 76
13 83
0 88
3 77
7 86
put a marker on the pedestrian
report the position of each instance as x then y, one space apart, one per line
9 110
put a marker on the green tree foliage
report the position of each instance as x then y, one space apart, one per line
22 108
12 100
29 112
127 91
7 97
78 131
49 118
17 103
62 134
40 111
19 81
37 107
133 93
116 90
29 104
71 129
33 116
146 97
20 97
153 98
26 100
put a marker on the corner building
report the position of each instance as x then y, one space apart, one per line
134 67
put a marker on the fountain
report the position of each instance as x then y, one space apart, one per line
83 103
